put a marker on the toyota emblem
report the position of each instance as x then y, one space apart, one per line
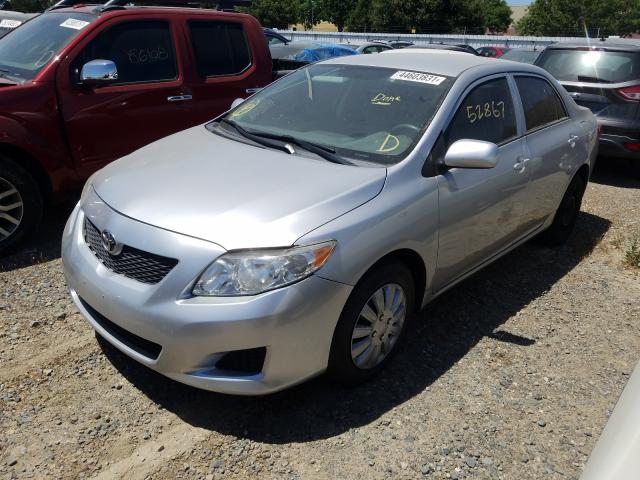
109 243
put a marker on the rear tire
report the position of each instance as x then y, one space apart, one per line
372 324
20 204
566 216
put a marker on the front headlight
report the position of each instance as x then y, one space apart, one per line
255 271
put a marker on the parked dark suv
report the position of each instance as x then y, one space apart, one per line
605 77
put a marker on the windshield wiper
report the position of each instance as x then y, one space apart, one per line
263 137
255 138
320 150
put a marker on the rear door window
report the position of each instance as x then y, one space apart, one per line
487 113
220 48
596 66
143 52
541 103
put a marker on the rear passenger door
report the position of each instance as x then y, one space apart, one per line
223 66
552 139
481 210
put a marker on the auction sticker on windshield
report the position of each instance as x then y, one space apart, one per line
73 23
6 23
418 77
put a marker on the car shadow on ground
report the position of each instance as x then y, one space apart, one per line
439 336
43 244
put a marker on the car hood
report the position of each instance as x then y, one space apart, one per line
236 195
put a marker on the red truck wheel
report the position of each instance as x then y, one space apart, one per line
20 204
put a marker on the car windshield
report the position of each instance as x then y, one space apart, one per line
363 113
521 55
598 66
29 48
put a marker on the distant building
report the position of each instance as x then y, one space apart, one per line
320 27
517 12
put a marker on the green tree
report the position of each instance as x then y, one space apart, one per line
28 6
433 16
359 19
309 13
274 13
336 11
481 15
567 17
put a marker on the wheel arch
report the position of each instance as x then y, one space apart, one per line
583 173
414 262
30 164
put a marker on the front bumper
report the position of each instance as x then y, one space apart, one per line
295 323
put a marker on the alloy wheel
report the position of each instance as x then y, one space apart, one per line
11 209
378 326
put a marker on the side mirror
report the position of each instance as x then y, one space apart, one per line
236 102
99 72
472 154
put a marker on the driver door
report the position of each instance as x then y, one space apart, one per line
481 209
104 123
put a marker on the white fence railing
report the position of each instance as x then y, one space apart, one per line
473 40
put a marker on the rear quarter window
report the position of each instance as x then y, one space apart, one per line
541 103
597 66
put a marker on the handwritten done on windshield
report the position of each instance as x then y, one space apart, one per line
384 99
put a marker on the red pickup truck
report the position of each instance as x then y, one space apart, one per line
82 86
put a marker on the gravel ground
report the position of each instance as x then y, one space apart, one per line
510 375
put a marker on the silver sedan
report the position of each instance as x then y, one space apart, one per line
298 232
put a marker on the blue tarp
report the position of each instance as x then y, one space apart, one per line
323 51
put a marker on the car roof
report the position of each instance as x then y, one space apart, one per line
445 62
630 44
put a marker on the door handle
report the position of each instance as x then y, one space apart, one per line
180 98
251 91
572 140
521 164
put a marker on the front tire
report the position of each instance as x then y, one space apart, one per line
566 216
372 324
20 204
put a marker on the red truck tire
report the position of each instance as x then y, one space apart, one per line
20 203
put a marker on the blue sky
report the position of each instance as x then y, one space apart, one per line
518 2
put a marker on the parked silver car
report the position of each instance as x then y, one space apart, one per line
298 232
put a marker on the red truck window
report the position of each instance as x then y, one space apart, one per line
142 51
220 48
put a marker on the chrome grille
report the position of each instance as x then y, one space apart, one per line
136 264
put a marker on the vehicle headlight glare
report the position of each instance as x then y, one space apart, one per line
255 271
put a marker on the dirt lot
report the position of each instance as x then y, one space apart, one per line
510 375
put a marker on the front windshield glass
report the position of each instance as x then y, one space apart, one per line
364 113
30 47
